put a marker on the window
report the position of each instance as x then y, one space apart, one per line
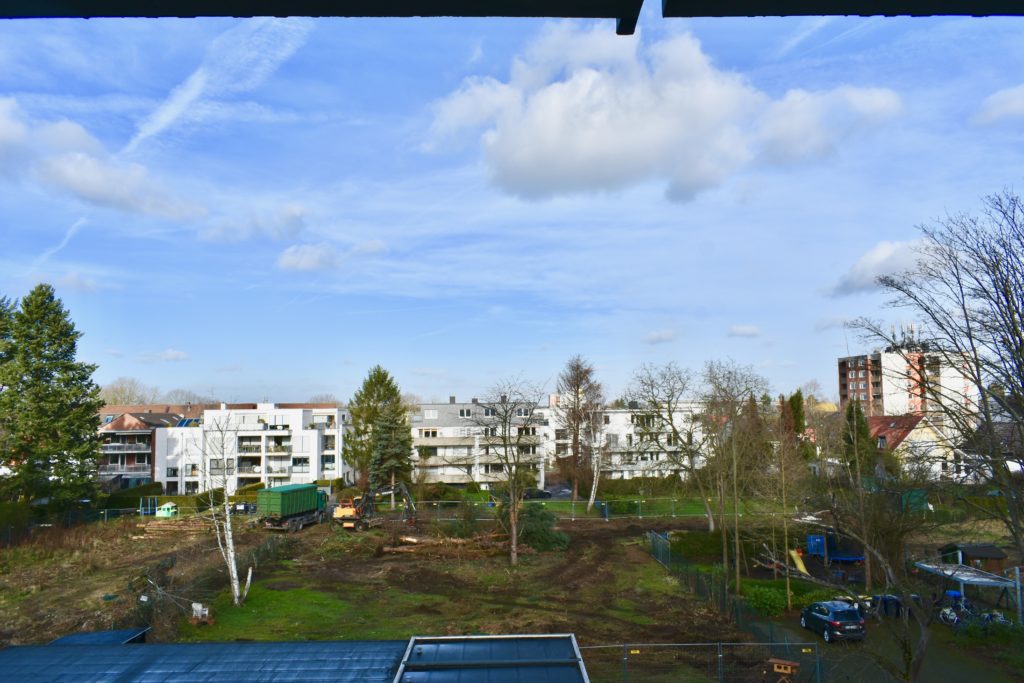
863 397
528 450
862 373
607 419
172 472
611 439
191 487
863 385
300 464
465 412
881 443
427 452
527 431
524 412
561 434
142 458
490 412
430 414
193 471
644 420
490 431
328 461
629 440
561 449
428 433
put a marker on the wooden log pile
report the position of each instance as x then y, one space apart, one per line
193 524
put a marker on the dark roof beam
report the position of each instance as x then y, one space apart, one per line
864 8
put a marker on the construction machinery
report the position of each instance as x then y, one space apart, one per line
361 513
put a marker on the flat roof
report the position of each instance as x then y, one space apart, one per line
625 12
495 659
351 661
962 573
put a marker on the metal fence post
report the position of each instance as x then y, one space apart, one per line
639 510
721 665
625 663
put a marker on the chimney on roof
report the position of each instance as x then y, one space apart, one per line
476 400
451 400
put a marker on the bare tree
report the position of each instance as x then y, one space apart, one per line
580 397
733 426
508 418
325 398
217 465
183 396
126 391
661 399
967 290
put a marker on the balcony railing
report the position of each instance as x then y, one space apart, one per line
279 471
249 469
279 448
124 469
249 448
125 447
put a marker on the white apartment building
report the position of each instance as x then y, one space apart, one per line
450 445
234 446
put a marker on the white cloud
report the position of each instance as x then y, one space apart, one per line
165 356
13 137
583 113
104 182
744 331
1004 104
286 221
804 126
885 258
238 60
306 257
659 337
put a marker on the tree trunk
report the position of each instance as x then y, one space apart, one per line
229 552
736 516
392 490
597 475
513 523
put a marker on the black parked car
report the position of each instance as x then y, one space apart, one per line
536 494
834 620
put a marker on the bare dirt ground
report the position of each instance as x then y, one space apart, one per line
91 577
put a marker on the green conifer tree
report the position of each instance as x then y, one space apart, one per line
378 390
49 405
858 448
391 447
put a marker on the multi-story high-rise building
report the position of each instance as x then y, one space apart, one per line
905 381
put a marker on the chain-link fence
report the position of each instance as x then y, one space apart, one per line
838 663
693 662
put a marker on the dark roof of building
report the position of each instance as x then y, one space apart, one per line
625 12
974 551
366 661
121 637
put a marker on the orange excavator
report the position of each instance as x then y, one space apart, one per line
362 513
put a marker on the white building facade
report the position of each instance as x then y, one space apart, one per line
233 447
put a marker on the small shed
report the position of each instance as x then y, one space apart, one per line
167 510
980 555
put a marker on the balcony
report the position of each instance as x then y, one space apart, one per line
279 448
250 448
249 469
279 470
125 448
113 470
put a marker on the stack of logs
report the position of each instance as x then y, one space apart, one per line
193 524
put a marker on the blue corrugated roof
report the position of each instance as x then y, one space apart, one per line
128 635
369 661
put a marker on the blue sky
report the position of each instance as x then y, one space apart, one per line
263 209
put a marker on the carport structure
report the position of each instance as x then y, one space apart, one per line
625 12
967 575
